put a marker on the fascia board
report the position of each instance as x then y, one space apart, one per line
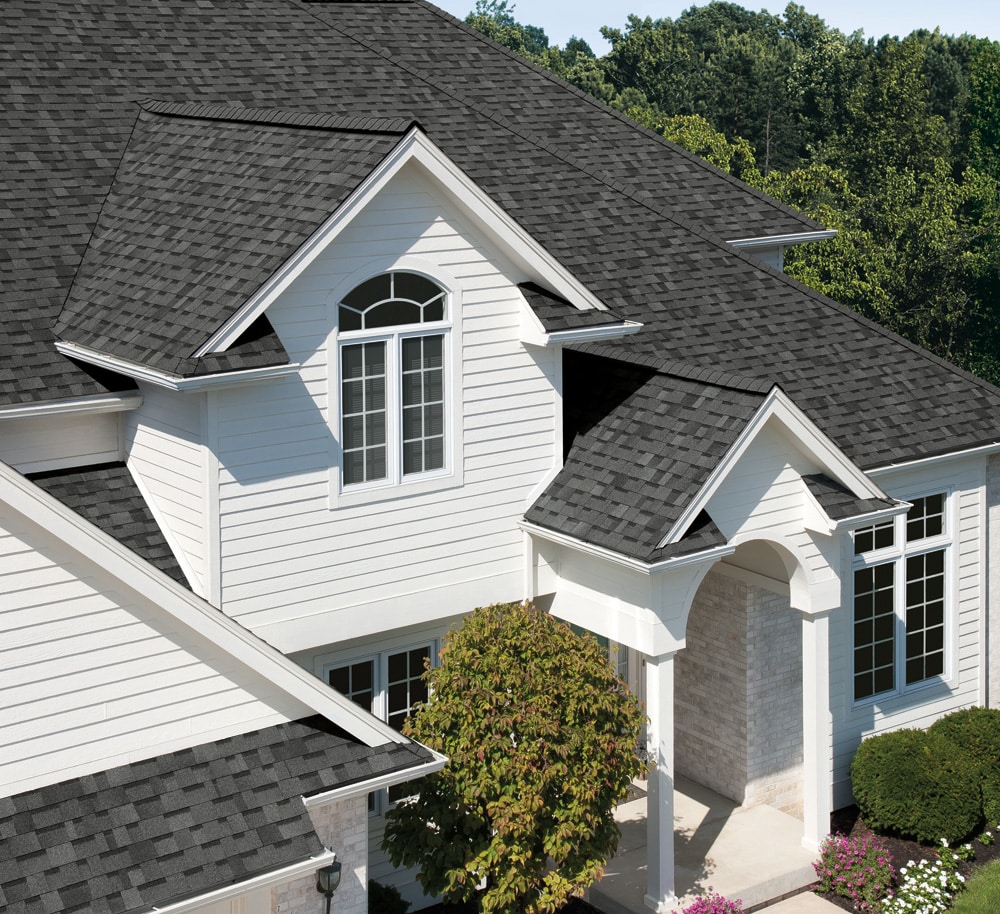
263 881
592 334
983 450
649 568
363 788
103 403
835 463
770 241
415 146
188 610
174 382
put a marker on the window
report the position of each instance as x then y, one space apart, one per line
393 336
389 685
899 599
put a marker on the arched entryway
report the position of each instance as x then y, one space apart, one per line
738 718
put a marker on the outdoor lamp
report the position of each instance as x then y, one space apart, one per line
327 880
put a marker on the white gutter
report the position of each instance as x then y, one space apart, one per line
170 381
361 788
600 552
872 517
770 241
266 880
102 403
982 450
592 334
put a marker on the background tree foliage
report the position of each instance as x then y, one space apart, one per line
893 142
541 738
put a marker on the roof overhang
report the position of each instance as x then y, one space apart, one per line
363 788
487 214
618 558
174 382
263 881
782 241
103 403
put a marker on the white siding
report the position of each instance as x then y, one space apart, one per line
91 677
167 458
55 442
919 707
300 562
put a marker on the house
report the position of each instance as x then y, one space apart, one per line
324 323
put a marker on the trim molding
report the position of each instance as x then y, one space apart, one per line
102 403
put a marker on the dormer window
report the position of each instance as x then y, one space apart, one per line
393 330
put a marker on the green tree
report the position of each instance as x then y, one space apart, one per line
541 741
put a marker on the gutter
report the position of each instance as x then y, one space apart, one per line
377 783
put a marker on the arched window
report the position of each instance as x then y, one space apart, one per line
392 378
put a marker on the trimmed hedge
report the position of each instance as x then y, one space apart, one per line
917 784
977 732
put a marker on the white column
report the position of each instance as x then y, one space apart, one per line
660 797
817 789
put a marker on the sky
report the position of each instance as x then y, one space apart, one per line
562 19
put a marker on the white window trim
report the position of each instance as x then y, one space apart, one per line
396 485
380 688
897 554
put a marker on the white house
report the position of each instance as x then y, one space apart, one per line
326 322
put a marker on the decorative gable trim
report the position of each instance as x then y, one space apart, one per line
189 611
414 147
778 405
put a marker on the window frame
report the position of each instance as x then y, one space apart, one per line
379 800
397 483
896 556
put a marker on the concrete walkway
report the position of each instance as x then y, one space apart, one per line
754 855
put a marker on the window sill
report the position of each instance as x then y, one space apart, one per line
376 493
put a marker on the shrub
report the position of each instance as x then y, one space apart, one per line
977 732
385 899
916 784
855 868
713 904
926 888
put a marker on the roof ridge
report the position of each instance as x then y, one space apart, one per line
715 377
277 117
607 109
642 198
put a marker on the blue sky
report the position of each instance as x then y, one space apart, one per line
564 18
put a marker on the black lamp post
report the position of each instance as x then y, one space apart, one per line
327 880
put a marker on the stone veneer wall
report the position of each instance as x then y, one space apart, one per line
342 826
738 695
993 589
774 702
710 722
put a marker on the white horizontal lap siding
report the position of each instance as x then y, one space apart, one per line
57 442
91 678
919 707
164 442
288 550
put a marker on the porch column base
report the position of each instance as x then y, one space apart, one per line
661 905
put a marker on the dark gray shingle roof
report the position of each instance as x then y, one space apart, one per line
107 496
640 445
180 824
637 221
839 503
206 204
557 314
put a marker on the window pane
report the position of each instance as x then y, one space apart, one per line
924 616
392 314
370 291
434 454
352 361
354 432
363 423
878 536
354 467
423 398
415 287
433 349
413 353
397 667
375 467
349 319
874 630
355 682
434 311
925 518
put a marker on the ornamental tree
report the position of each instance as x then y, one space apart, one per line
541 739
